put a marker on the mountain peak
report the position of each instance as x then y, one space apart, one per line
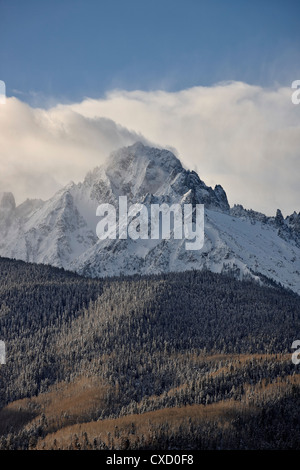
138 151
138 169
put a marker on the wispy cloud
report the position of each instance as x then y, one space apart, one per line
246 138
41 150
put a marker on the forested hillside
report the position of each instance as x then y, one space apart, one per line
174 361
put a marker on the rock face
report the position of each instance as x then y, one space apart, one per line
62 230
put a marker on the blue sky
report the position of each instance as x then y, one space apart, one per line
65 50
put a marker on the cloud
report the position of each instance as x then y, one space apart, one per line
43 150
246 138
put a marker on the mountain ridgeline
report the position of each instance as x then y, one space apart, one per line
193 360
62 231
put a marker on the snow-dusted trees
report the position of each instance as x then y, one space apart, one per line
155 342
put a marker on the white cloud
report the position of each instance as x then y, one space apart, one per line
244 137
43 150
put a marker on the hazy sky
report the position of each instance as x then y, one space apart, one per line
86 77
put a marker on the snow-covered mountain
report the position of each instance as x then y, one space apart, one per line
62 230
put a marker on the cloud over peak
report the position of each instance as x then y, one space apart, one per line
244 137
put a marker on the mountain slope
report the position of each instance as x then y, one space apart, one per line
62 231
181 346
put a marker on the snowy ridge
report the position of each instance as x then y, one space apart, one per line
62 230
